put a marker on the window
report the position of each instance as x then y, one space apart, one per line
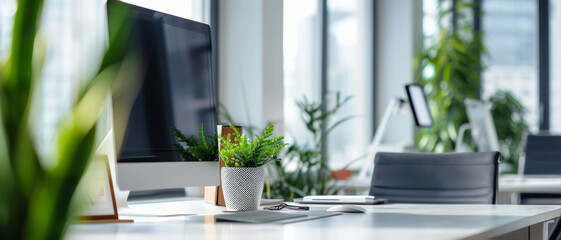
555 65
7 12
348 71
430 22
74 35
510 35
301 49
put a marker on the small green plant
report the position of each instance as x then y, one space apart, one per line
243 152
203 150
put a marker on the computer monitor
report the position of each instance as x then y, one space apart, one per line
483 129
419 106
177 91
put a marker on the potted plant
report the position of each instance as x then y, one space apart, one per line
243 176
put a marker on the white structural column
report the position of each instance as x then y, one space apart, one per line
251 61
399 37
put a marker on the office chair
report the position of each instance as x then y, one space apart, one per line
436 177
542 156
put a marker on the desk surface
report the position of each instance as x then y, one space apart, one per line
390 221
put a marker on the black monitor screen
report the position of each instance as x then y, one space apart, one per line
419 105
177 90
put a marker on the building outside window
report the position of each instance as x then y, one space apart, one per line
510 34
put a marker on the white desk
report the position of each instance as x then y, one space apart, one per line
530 183
510 186
391 221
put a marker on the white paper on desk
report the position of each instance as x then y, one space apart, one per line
153 211
339 199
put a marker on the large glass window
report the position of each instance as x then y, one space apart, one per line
510 35
430 22
7 12
301 49
74 35
349 73
555 65
510 29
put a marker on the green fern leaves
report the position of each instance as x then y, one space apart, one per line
203 150
243 152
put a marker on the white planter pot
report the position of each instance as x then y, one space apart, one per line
242 187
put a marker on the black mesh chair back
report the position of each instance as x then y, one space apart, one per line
463 178
543 156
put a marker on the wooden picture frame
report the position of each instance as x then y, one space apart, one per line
97 189
213 194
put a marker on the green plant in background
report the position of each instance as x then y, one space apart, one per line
203 150
450 71
455 61
37 194
243 152
508 115
311 175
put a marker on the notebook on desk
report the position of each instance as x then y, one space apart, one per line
282 217
340 199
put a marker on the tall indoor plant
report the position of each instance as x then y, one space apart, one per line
243 177
311 175
450 71
36 198
455 63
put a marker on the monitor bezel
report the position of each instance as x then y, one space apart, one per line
483 129
165 175
413 109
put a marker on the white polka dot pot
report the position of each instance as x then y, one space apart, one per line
242 187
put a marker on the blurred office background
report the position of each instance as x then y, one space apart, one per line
273 53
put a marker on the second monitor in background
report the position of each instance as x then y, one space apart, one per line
483 129
419 105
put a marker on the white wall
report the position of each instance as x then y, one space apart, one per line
398 39
251 61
